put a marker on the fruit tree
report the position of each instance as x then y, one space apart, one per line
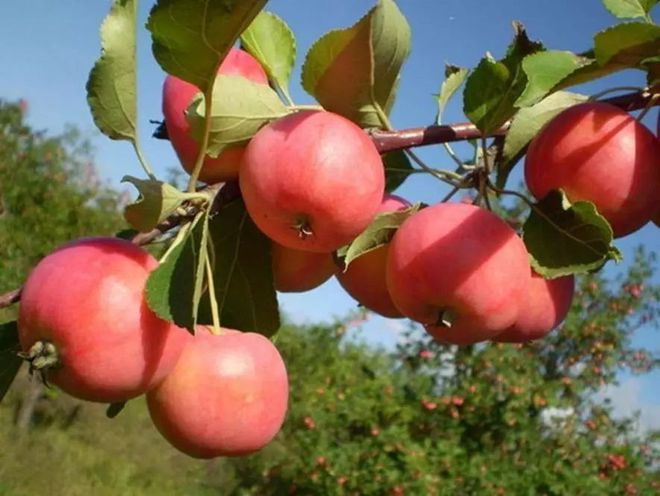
280 197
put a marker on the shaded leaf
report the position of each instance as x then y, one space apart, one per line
526 124
454 78
379 233
242 273
114 409
397 169
190 38
111 87
270 40
173 289
629 9
493 87
157 201
545 70
10 362
627 44
355 71
240 108
564 238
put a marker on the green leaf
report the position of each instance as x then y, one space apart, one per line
397 169
190 38
454 78
10 362
526 124
627 44
493 87
565 239
240 108
173 290
629 9
242 273
354 71
270 40
544 71
377 234
111 87
157 201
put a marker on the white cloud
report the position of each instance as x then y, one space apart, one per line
627 400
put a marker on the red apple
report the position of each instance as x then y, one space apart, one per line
86 299
295 271
460 270
597 152
365 278
545 306
177 97
226 396
312 181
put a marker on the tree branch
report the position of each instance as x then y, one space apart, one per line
385 141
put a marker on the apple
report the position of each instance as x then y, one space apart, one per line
177 97
312 180
545 306
86 301
295 271
365 279
460 270
226 396
599 153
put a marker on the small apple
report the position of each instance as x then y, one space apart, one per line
295 271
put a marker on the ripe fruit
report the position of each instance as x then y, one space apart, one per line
597 152
86 298
458 263
297 270
226 396
312 181
365 278
546 304
177 97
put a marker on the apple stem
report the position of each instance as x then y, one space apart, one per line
215 313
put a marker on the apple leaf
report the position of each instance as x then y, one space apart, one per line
354 71
111 87
174 288
494 86
10 362
240 108
627 44
157 201
526 124
190 38
630 9
270 40
454 78
242 273
377 234
564 238
397 169
544 71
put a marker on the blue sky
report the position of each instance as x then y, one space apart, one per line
47 49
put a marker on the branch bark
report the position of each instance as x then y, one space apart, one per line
385 141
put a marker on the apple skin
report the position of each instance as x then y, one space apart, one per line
462 260
365 278
227 395
599 153
87 298
177 97
546 304
295 271
312 181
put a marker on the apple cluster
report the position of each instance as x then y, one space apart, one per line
85 325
